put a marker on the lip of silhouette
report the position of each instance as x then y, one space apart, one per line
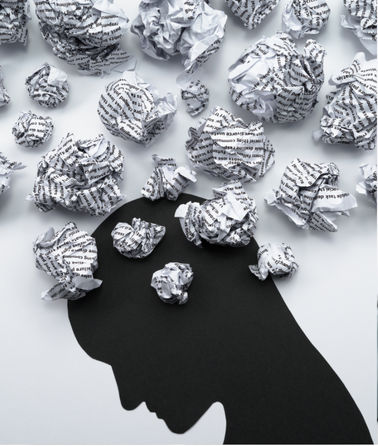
153 410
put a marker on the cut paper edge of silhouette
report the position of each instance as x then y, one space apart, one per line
235 342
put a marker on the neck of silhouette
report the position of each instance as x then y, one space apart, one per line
238 427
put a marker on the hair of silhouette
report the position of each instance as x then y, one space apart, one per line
235 342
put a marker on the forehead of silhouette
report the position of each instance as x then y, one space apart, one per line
235 341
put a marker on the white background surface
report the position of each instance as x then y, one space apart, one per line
51 392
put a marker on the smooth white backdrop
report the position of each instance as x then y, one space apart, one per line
51 392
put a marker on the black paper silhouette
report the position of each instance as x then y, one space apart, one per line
235 341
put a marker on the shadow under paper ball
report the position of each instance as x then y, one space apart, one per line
235 341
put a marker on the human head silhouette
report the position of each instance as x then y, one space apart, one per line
235 341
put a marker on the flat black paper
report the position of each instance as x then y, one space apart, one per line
235 341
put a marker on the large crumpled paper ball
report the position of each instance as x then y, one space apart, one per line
172 281
132 109
229 219
350 116
275 82
32 130
303 17
368 186
223 145
170 27
81 175
84 33
137 240
6 169
14 15
48 85
252 12
361 19
276 259
4 96
308 195
70 256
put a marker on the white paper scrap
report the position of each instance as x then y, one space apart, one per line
350 115
223 145
368 186
361 19
70 256
275 259
137 240
85 33
191 28
167 180
229 219
4 96
47 85
275 82
172 281
303 17
252 12
196 96
6 169
132 109
81 175
31 130
14 15
308 195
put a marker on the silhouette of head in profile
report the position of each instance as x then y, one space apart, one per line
235 341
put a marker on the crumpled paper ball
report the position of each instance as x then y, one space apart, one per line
14 15
172 281
223 145
32 130
303 17
81 175
170 27
137 240
350 116
229 219
4 96
361 19
70 256
196 96
47 85
368 186
308 195
167 180
275 82
252 12
132 109
6 169
275 259
85 33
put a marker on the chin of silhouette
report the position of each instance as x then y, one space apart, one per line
235 342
